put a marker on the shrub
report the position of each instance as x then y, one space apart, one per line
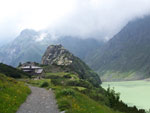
67 76
56 81
96 95
72 83
44 84
81 83
68 92
53 77
65 92
63 105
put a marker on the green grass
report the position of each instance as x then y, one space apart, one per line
80 96
39 82
75 102
62 74
71 100
12 94
57 74
78 88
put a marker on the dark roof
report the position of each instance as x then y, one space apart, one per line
30 67
34 69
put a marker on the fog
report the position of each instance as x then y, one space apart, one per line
100 19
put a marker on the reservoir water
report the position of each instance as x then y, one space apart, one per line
132 92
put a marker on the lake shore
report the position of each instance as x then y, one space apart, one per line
132 92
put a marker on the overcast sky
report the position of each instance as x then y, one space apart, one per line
84 18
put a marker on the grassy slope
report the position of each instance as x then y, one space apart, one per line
79 103
11 71
75 95
71 103
78 67
12 94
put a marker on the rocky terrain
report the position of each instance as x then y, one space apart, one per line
57 54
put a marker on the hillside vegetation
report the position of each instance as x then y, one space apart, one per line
75 95
11 71
12 94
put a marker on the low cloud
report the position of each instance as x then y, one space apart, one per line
100 19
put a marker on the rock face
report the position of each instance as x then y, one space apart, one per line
58 55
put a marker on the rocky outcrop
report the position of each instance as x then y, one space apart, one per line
58 55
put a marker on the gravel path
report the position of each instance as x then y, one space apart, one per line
39 101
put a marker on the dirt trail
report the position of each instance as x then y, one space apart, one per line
39 101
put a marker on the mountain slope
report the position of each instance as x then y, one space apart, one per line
30 46
11 71
23 48
59 56
127 55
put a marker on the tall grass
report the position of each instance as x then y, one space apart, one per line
12 94
72 101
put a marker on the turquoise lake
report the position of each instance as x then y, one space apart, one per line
132 92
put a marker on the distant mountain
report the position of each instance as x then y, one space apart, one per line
25 47
82 48
57 55
127 55
30 46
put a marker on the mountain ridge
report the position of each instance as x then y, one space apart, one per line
30 46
